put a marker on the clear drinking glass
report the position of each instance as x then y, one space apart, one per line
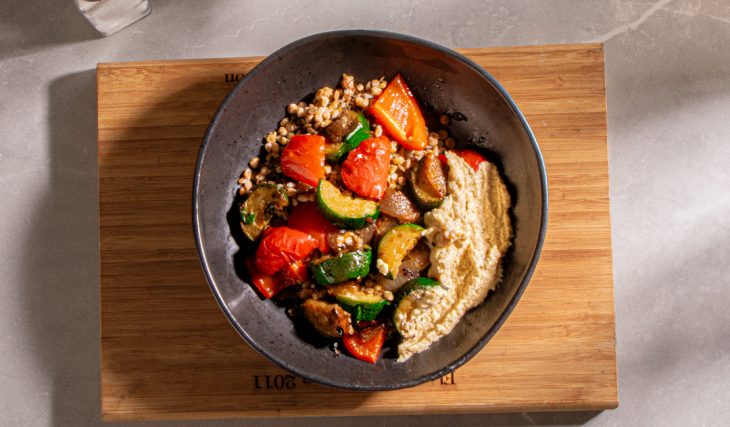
110 16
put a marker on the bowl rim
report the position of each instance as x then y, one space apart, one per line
520 289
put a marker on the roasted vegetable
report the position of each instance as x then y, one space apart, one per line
345 134
260 206
345 211
407 298
473 158
431 176
335 269
303 159
394 246
398 112
395 204
428 183
281 246
367 344
307 217
350 240
413 264
382 226
365 171
328 319
361 304
268 286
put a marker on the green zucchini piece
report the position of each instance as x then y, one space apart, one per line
394 246
357 130
428 183
345 211
407 298
260 206
359 133
334 152
336 269
361 305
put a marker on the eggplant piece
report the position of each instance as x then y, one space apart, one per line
382 226
359 238
396 204
257 211
342 126
431 176
345 134
428 183
328 319
412 266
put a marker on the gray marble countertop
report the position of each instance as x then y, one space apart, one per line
668 91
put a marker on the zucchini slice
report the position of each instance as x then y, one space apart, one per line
428 183
262 204
407 298
334 152
345 134
394 246
345 211
361 305
359 133
350 265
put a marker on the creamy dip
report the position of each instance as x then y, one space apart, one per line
469 234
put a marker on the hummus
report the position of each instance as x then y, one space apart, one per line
468 234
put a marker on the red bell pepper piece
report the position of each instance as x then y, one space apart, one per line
295 273
397 111
471 157
281 246
306 217
365 171
367 344
268 286
303 159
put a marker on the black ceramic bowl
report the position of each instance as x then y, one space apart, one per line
444 81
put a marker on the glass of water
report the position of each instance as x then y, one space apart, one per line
110 16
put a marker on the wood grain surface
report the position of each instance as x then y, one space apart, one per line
167 350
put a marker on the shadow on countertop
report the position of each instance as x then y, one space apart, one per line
59 258
25 25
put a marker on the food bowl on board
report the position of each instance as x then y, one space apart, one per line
445 82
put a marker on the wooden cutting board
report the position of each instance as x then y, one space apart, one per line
167 350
